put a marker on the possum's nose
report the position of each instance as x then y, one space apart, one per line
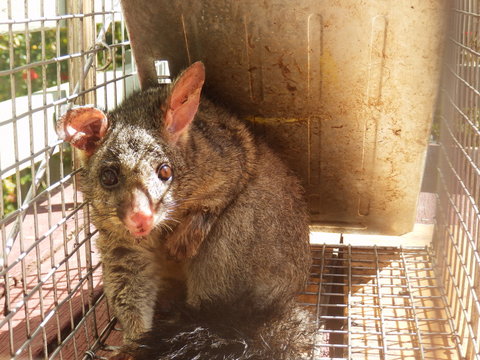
139 217
141 223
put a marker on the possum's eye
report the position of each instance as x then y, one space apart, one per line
164 172
109 177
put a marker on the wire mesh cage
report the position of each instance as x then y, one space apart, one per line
379 303
370 302
52 54
457 237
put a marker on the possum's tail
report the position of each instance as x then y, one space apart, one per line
234 335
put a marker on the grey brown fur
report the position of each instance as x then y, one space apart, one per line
230 224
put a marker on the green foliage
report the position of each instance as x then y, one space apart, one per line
51 74
9 195
468 132
20 57
472 40
112 36
10 188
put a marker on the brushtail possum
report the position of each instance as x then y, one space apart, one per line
190 207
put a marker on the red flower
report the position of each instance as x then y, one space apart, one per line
33 74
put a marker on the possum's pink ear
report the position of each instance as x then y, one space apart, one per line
83 127
182 104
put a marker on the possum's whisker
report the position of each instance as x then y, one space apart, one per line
169 217
167 227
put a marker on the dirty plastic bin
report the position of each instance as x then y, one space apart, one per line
344 90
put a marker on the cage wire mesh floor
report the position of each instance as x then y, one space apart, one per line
373 303
377 303
368 303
